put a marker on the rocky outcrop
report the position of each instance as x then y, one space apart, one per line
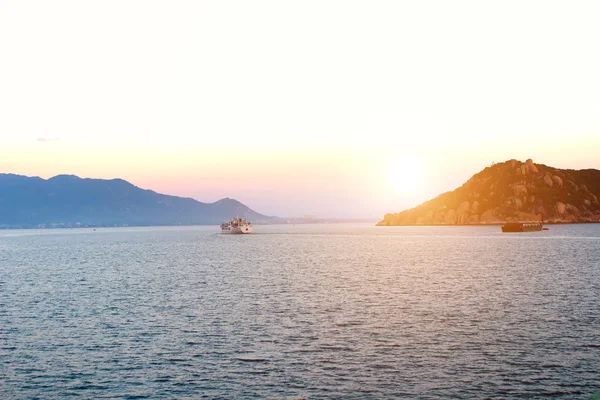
512 191
519 189
557 181
462 213
531 166
451 217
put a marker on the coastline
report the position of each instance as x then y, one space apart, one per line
282 222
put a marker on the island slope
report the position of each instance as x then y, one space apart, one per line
511 191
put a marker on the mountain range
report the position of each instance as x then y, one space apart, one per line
67 200
512 191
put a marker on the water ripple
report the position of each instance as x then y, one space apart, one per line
330 311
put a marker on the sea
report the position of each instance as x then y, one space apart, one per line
323 311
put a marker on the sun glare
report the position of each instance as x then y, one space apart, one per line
406 174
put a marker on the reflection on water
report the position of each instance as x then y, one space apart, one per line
339 311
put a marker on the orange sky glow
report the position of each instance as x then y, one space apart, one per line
328 109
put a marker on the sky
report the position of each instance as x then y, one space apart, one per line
327 108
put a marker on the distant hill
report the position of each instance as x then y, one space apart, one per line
512 191
67 200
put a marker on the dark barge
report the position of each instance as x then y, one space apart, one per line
522 227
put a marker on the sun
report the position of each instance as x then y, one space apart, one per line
406 174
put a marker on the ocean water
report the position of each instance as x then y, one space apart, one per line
306 311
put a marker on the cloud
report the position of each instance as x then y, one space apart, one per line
43 139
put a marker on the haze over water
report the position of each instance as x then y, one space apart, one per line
338 311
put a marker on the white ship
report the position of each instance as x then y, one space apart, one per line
236 225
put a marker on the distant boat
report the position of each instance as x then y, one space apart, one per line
236 226
522 227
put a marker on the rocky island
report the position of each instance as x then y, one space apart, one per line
511 191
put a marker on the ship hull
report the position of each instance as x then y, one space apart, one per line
237 230
519 227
